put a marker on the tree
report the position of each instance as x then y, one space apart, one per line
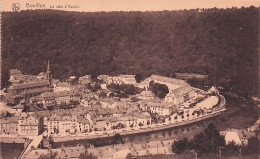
87 156
141 124
231 149
180 146
138 77
117 138
50 155
208 141
160 90
102 95
252 146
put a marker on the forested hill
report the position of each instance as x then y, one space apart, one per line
218 42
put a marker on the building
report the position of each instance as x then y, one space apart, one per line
85 79
162 109
180 95
18 109
64 125
122 79
17 92
121 122
103 78
9 125
232 136
62 86
213 89
146 95
15 75
172 83
28 126
142 119
51 100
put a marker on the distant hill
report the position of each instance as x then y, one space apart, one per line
220 43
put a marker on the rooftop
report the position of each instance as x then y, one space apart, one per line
168 80
29 85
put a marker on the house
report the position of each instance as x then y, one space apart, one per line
162 109
14 75
121 79
142 118
84 125
28 126
146 95
127 79
121 122
69 124
180 95
42 116
213 89
85 79
9 125
17 92
103 78
108 103
62 86
100 123
51 100
61 125
18 109
232 136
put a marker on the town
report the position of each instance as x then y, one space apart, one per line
41 104
42 107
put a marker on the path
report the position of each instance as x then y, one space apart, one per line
35 143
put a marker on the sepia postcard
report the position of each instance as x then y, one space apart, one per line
130 79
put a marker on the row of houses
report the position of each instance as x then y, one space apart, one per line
51 100
19 125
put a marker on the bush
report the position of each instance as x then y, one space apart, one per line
180 146
160 90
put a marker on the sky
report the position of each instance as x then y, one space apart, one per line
124 5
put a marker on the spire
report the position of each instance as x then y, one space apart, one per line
48 73
48 66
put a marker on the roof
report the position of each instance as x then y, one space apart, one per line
19 106
181 90
29 85
232 136
143 115
213 89
38 90
55 81
103 77
147 94
161 105
58 94
127 76
123 118
83 120
168 80
9 120
44 113
30 121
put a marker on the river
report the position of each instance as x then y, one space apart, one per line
11 150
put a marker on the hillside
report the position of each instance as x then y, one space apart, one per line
220 43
